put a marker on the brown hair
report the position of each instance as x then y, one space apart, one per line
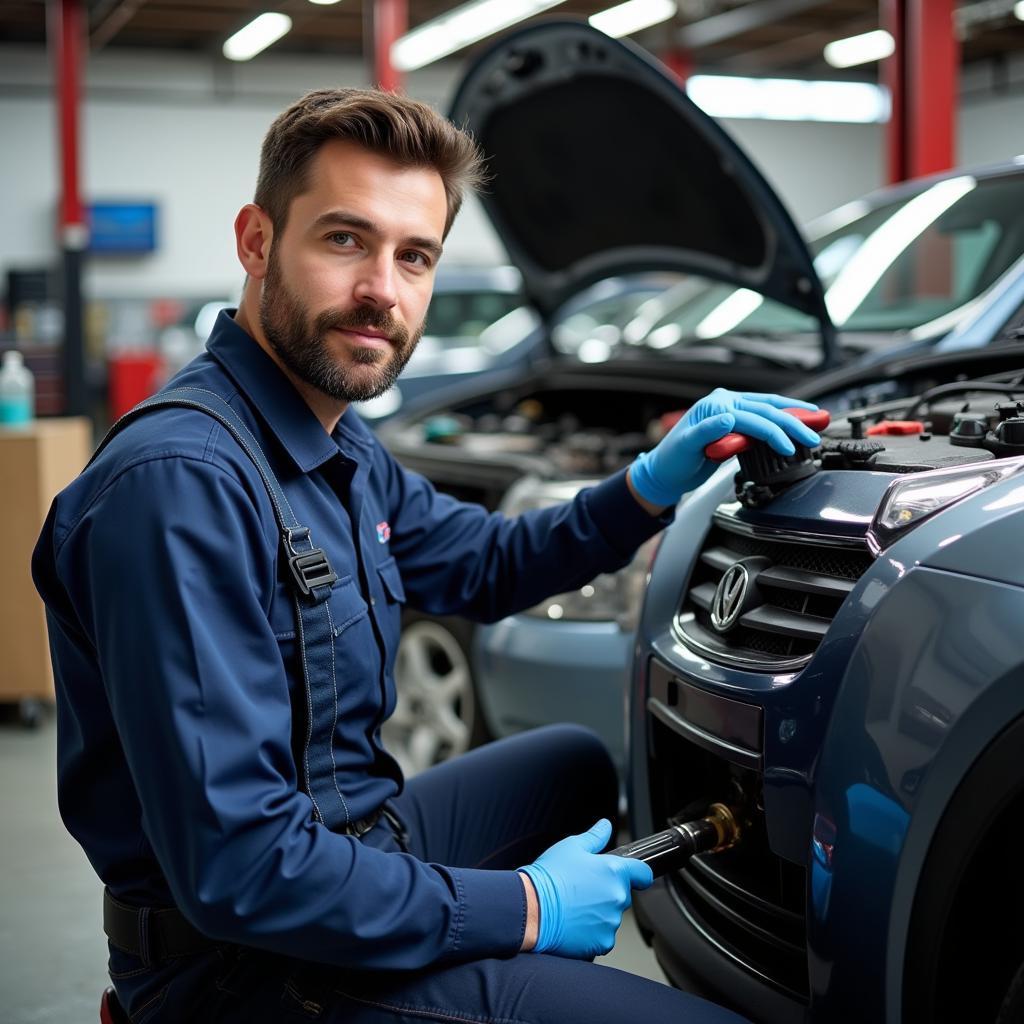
400 128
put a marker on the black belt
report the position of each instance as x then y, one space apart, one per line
151 933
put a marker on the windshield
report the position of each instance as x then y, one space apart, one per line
913 263
463 315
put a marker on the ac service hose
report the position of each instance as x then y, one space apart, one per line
671 849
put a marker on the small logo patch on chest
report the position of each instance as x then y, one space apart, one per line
383 533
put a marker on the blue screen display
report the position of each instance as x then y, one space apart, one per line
122 228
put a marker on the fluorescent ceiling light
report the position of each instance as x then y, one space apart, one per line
256 36
324 3
458 28
789 99
1018 10
634 15
862 49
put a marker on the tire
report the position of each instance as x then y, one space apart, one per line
437 715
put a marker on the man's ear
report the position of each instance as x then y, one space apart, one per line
254 233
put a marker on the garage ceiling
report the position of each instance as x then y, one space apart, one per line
728 36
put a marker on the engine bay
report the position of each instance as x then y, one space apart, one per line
553 432
952 425
575 429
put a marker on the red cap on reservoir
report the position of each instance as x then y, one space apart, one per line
732 444
895 428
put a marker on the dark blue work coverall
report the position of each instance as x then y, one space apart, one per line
173 634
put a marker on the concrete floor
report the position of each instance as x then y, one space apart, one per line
52 951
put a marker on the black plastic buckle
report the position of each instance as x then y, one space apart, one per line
310 569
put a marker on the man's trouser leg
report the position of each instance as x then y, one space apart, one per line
504 804
496 807
499 807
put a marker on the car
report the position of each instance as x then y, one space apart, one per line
743 302
477 322
828 645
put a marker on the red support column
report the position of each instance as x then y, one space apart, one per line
933 66
922 78
390 22
893 76
66 31
679 63
68 34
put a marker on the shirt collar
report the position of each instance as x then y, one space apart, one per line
273 397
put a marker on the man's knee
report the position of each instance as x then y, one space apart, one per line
577 756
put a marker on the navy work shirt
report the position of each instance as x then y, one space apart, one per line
173 630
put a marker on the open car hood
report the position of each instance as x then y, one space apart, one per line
600 164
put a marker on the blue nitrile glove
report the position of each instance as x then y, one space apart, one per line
582 893
677 463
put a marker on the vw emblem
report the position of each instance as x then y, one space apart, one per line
730 597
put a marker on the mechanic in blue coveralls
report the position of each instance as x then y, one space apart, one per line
262 856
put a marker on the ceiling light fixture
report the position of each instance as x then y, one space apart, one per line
1018 11
458 28
257 36
633 16
324 3
862 49
789 99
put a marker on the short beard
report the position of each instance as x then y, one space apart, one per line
304 348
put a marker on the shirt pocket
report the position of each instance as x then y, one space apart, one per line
391 580
346 605
356 663
390 620
345 609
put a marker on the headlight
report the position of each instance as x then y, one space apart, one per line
611 597
913 499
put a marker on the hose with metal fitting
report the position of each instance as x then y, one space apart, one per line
671 849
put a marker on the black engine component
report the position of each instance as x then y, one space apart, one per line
1007 438
764 473
849 453
969 430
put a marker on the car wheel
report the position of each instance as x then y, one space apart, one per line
437 715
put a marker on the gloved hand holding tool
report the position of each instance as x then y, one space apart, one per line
677 463
582 894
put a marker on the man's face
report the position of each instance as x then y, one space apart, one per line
349 279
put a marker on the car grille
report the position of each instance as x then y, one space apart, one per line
746 901
752 907
799 589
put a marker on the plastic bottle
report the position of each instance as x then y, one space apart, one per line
17 391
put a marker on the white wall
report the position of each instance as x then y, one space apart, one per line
182 130
814 167
185 130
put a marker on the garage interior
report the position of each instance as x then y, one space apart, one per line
131 140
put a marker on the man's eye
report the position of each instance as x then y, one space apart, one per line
341 237
416 258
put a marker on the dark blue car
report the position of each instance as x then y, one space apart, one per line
659 264
831 644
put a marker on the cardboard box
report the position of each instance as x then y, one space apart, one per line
36 462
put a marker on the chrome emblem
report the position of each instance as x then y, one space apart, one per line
730 597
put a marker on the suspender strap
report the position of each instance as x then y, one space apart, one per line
311 576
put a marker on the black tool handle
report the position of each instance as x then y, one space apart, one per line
671 849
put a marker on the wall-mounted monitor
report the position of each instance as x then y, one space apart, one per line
122 228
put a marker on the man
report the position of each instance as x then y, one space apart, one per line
262 858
